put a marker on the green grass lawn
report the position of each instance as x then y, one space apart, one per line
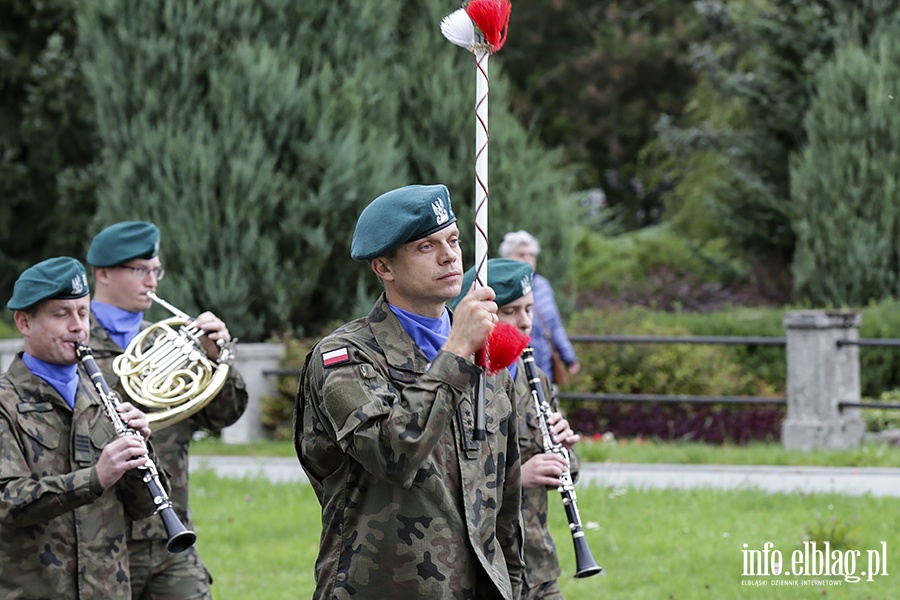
647 451
260 540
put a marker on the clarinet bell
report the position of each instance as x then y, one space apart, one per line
585 564
180 537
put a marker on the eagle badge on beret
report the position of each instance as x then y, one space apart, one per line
79 284
526 285
440 211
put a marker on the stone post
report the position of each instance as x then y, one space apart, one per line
8 350
251 360
821 375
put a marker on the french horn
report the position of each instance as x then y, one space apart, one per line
166 369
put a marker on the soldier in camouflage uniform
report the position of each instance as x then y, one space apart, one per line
67 481
126 266
511 280
412 507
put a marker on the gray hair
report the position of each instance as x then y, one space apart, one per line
514 239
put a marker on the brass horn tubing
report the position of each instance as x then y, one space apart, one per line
168 307
173 359
161 357
126 365
195 332
163 419
198 368
168 355
170 389
167 351
161 382
177 365
190 393
185 355
140 360
192 377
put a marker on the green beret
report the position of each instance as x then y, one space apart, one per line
510 280
122 242
60 278
400 216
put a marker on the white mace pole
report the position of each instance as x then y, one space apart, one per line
492 17
482 85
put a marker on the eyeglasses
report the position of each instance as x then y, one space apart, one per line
142 272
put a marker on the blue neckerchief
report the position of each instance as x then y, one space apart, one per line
514 369
429 334
121 325
63 378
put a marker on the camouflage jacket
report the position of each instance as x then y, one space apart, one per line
541 562
411 507
62 536
173 442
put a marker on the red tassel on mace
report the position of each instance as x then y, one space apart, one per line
504 346
492 18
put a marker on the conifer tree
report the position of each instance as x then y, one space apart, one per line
47 141
730 152
254 132
594 78
844 182
251 132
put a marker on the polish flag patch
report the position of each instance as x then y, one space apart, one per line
335 357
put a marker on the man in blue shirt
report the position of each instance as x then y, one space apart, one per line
548 331
412 507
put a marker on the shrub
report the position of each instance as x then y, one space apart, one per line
881 419
665 369
625 261
843 180
880 367
763 361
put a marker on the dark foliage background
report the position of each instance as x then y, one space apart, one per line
711 424
48 138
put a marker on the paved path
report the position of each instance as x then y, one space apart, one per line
843 480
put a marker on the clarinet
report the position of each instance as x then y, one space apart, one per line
180 537
585 565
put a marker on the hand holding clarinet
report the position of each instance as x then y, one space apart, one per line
129 450
125 452
556 434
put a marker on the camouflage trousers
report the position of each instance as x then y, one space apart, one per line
157 574
544 591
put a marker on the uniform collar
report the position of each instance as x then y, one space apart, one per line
402 352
